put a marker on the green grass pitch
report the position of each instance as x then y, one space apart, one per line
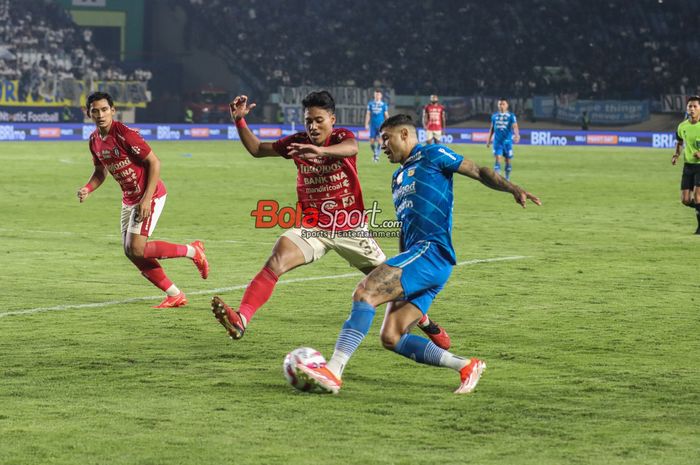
591 338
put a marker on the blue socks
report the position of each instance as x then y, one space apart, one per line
351 335
497 167
509 168
419 349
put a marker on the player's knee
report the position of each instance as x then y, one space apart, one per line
362 294
134 250
277 264
390 339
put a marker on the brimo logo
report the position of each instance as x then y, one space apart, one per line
268 214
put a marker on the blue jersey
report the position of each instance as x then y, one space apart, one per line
503 126
377 110
423 199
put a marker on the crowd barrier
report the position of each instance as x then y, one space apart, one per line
190 132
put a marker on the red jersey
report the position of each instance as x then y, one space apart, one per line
325 183
433 116
122 153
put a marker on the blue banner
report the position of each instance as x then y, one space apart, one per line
600 112
190 132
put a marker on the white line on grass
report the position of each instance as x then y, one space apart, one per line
56 308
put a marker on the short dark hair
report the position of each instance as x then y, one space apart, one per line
321 99
398 120
95 96
503 99
693 98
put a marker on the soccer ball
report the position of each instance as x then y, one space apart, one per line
305 356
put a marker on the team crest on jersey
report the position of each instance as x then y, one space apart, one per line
116 152
411 172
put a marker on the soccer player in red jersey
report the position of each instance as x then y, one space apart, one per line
123 152
434 120
327 181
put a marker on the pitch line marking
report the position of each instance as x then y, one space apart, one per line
56 308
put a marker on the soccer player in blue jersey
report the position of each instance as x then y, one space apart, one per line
505 131
377 112
408 282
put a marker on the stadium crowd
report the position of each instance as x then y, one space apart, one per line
595 49
41 46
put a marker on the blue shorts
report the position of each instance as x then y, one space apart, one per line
425 272
503 148
374 130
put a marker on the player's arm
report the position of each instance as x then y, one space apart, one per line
679 149
344 149
239 109
95 181
490 178
152 165
488 139
367 120
425 116
516 133
444 120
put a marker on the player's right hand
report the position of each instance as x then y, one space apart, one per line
239 107
674 158
83 193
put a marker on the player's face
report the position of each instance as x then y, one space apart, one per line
377 96
502 106
395 143
319 124
433 99
693 109
101 113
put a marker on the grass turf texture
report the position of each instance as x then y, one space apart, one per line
589 341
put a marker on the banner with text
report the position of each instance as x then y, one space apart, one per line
606 112
175 132
69 93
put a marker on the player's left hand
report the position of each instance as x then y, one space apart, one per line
144 208
305 151
522 196
516 138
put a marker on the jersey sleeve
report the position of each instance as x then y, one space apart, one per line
341 134
513 119
386 108
95 160
679 138
135 143
445 159
281 146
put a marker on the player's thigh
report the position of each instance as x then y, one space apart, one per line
424 268
131 223
359 249
292 250
498 149
380 286
508 152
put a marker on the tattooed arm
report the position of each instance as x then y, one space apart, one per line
490 178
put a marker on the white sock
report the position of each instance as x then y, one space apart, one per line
190 251
172 291
337 363
450 360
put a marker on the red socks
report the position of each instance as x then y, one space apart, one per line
257 293
153 272
161 249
